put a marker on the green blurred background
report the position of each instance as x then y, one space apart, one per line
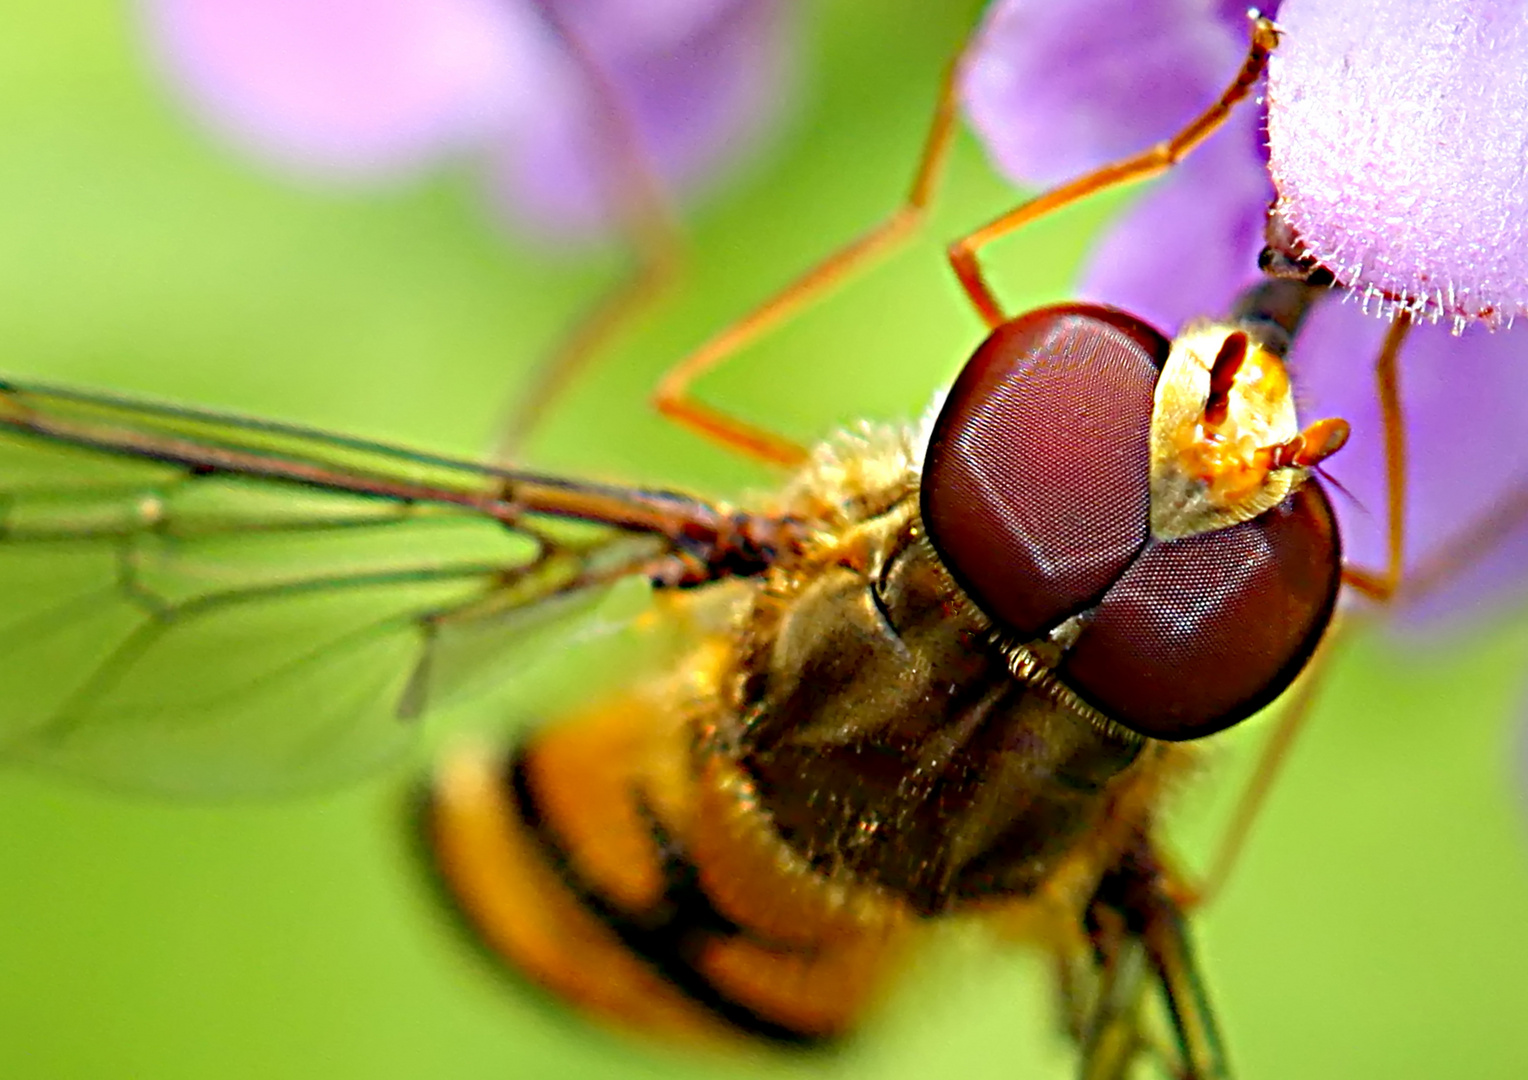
1374 928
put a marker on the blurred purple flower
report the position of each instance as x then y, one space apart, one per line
1054 89
372 90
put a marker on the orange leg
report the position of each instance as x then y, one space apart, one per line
673 397
1380 586
1471 544
657 245
1254 796
648 225
1158 159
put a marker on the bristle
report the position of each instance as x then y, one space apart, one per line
1381 184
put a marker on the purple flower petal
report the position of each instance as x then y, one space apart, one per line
1465 400
359 89
1054 89
347 88
1399 136
1036 94
1190 245
697 81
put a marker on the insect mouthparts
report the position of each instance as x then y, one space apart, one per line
1226 444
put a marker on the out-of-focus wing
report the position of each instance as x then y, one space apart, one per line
201 603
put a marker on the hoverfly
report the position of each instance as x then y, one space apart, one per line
177 487
946 669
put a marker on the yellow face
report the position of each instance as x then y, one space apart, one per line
1226 444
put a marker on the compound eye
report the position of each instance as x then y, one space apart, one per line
1036 481
1202 632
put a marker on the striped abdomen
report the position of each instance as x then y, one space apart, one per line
595 865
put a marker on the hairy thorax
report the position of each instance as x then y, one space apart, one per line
890 737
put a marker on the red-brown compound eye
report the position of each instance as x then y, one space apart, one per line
1035 485
1036 496
1200 633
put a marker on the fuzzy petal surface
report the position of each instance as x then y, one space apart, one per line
1399 145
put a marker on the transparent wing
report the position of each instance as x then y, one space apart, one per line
199 603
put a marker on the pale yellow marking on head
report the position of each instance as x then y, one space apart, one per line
1211 472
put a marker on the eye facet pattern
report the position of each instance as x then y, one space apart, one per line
1036 482
1202 632
1036 495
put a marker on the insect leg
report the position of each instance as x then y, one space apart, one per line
1140 934
1172 958
1254 795
1151 162
1382 585
651 233
1465 547
657 250
1378 585
1111 1034
1108 1027
673 398
1470 544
